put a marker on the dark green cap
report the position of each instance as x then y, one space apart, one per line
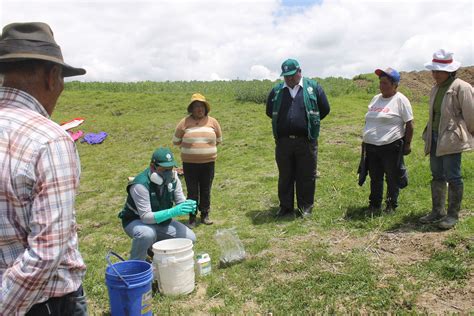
289 67
163 157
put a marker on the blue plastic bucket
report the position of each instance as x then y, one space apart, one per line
129 286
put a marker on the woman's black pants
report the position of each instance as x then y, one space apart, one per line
384 160
198 177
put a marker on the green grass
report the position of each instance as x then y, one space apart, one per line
293 265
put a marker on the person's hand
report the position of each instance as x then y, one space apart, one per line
406 149
188 206
184 208
192 203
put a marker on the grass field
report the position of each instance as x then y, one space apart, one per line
341 260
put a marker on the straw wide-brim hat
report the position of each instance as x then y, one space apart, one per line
198 97
33 40
443 61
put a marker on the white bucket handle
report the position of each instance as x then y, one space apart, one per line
173 259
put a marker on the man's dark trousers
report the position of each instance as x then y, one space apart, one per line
296 158
72 304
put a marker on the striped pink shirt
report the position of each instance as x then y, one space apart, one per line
40 171
198 139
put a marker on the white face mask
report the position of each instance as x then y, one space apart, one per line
156 178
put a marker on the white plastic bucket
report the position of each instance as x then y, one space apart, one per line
173 260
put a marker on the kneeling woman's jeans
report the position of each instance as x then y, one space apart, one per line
384 160
145 235
447 167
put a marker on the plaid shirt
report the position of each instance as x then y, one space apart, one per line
40 169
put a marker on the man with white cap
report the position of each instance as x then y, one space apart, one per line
41 269
449 132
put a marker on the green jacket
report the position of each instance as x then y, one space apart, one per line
158 201
310 102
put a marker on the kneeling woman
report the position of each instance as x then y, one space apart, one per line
387 136
147 216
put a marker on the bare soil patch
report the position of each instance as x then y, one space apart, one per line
388 251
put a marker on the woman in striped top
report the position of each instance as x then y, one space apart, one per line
198 135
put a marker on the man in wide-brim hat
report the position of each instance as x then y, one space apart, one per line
449 132
41 267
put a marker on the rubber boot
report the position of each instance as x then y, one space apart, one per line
192 221
438 199
455 193
205 218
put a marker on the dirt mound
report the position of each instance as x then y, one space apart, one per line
420 82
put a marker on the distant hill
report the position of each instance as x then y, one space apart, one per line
420 82
416 84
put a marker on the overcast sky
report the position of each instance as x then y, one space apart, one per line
248 39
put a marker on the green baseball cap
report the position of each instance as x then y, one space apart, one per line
163 157
289 67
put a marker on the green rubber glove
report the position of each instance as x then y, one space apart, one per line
180 209
192 203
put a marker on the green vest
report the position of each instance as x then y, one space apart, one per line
310 102
158 201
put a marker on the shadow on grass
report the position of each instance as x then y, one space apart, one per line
410 223
357 213
268 216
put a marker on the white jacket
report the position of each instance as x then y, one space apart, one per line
456 126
